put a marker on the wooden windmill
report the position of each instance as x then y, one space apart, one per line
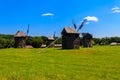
70 36
50 41
20 39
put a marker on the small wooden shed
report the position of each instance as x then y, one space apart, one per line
20 39
87 40
70 38
50 42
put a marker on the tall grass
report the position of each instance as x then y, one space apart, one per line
97 63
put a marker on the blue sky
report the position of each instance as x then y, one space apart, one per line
48 16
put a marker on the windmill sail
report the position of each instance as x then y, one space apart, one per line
84 21
28 30
74 24
54 35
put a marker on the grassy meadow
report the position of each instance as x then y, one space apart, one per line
97 63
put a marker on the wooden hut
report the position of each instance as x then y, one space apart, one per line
87 40
50 42
20 39
70 38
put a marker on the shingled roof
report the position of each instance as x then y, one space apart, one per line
20 34
69 30
50 38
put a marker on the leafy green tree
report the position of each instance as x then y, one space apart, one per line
59 41
36 42
44 38
97 41
2 42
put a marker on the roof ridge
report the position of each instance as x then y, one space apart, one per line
20 33
70 30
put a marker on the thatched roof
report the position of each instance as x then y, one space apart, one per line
20 34
50 38
69 30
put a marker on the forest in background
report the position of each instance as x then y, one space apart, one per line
7 41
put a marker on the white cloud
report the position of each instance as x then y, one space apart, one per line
91 18
116 9
47 14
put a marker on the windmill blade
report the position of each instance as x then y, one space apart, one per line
54 35
84 21
74 23
28 29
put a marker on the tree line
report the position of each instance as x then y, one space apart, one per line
105 40
7 41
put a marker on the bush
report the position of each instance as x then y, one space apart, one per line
59 41
36 42
6 43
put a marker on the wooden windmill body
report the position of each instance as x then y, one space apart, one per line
20 39
87 40
70 38
50 42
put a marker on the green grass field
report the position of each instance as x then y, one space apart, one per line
97 63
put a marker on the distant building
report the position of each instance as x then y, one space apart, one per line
113 43
70 38
20 39
87 40
50 42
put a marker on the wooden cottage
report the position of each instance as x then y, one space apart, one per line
70 38
50 42
87 40
20 40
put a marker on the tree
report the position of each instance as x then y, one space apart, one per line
97 41
59 41
36 42
44 38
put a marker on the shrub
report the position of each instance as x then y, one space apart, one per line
36 42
